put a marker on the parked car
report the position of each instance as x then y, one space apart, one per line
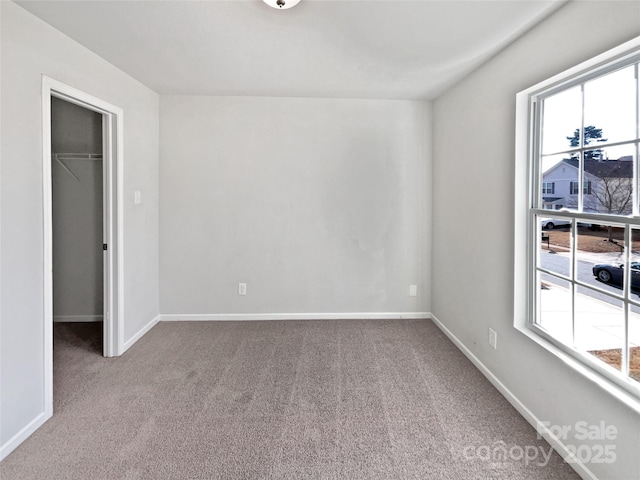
551 223
614 274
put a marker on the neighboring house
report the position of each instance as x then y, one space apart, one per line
607 185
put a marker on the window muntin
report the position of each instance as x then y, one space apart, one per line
554 306
614 114
561 117
586 140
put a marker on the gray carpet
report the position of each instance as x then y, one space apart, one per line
350 399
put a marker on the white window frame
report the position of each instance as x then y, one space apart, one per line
528 204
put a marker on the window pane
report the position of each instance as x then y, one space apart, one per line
554 252
634 343
609 106
555 307
562 116
600 255
608 174
547 165
560 172
599 326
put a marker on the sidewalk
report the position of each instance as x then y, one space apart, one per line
599 325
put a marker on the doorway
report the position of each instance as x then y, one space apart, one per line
77 204
82 200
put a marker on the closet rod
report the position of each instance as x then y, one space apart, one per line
77 156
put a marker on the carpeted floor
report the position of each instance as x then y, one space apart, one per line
352 399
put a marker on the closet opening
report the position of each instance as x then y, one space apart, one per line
82 169
78 230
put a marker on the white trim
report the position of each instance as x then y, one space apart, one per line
13 443
118 347
77 318
529 106
584 71
140 333
557 444
47 286
113 328
221 317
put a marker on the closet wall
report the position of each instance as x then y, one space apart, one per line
76 141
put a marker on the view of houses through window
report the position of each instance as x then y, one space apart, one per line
586 264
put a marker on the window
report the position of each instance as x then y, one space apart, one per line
580 291
574 188
548 188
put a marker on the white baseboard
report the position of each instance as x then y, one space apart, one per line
557 444
23 434
139 334
77 318
290 316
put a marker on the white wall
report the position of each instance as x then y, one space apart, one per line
319 205
31 48
473 220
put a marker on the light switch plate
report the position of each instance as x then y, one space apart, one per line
493 338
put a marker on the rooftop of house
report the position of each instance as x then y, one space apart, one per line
618 168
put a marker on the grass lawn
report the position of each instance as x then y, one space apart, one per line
595 241
613 358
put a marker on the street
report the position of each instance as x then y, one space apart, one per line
559 263
600 324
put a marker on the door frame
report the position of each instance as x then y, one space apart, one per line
113 233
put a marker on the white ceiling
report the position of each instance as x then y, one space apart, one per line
321 48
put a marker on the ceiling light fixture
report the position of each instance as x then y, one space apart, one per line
281 4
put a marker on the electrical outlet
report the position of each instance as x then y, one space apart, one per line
242 289
413 290
493 338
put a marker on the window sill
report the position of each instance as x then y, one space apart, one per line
619 393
